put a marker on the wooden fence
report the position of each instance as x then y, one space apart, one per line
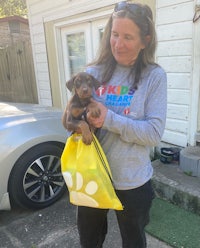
17 76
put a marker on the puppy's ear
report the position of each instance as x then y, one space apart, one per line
96 83
70 84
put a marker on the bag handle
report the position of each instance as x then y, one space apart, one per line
101 158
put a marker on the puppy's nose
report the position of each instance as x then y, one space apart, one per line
85 89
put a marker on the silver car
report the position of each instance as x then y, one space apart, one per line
31 140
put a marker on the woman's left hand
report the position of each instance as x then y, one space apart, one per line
95 121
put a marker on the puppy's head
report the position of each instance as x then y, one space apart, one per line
82 83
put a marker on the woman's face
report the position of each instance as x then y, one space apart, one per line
125 41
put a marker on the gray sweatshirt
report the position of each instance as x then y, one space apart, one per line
135 122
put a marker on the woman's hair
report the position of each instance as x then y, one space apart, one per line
142 16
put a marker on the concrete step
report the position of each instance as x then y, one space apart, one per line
173 184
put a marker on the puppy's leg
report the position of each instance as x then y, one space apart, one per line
78 126
81 124
86 132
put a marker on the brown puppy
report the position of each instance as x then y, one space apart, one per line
74 117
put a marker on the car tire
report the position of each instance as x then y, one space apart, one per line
36 180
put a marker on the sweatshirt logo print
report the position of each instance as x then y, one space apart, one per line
118 96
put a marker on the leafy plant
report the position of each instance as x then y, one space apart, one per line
188 173
13 7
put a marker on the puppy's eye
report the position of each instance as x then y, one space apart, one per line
89 81
77 83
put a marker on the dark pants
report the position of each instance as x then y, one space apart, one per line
92 222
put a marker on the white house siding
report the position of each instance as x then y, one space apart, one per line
39 52
175 54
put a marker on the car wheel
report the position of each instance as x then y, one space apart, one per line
36 180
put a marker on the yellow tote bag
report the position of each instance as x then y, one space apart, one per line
87 174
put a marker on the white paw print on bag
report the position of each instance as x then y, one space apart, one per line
84 196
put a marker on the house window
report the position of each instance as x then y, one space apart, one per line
14 27
77 52
101 31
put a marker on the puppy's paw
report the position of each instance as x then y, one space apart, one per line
93 110
86 133
87 138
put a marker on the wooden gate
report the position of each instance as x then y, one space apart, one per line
17 76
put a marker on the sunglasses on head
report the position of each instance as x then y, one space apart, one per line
132 7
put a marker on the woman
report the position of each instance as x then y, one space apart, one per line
132 100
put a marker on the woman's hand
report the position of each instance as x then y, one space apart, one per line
93 119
